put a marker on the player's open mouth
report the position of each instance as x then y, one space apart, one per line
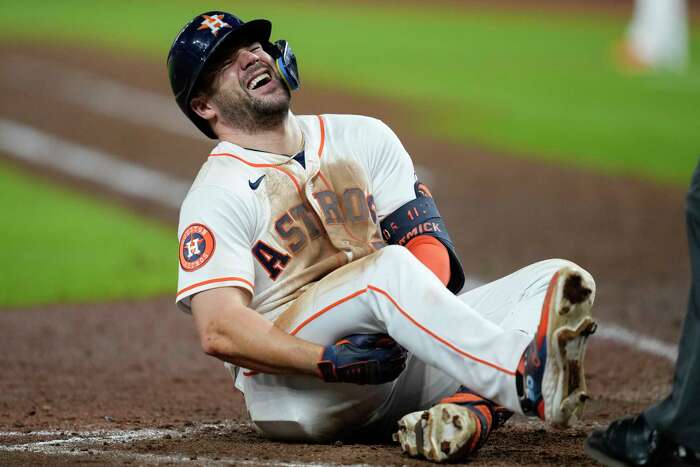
259 81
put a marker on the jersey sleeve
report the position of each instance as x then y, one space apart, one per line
390 168
216 232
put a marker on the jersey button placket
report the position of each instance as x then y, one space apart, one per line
309 192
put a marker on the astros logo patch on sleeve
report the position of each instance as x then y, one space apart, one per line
196 247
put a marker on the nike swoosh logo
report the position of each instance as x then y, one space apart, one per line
254 185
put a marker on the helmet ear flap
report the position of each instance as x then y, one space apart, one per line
286 63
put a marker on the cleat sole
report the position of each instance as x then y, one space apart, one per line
441 434
569 326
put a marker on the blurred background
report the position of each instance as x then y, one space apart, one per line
544 128
95 156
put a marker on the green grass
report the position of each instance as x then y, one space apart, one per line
534 85
62 247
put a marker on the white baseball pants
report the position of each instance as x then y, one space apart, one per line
475 339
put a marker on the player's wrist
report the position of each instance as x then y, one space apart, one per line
362 359
326 364
317 362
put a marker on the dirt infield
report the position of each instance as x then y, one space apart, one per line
126 382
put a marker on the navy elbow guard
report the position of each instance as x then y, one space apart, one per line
421 217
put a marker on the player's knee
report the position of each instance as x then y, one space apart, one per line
397 255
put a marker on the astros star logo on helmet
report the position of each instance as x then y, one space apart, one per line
214 23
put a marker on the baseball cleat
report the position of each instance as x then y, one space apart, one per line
634 441
445 433
451 430
551 380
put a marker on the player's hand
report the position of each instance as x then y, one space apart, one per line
362 359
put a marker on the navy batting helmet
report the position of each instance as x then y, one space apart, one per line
201 37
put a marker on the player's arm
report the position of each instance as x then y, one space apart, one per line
222 221
418 226
233 332
406 209
432 254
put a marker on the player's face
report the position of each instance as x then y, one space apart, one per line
248 92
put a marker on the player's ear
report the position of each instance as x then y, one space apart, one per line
202 106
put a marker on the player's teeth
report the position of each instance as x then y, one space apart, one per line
255 81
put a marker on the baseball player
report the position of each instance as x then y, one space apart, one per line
657 36
313 262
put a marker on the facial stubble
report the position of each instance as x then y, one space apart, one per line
250 113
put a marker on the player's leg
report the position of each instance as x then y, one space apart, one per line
390 291
460 424
341 304
452 430
678 416
553 288
444 332
419 387
658 35
667 433
515 301
306 409
299 408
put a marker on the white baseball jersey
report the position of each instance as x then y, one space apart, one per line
268 224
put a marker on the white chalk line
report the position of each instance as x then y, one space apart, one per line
31 145
97 94
646 344
90 443
616 333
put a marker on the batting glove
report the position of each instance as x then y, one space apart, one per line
362 359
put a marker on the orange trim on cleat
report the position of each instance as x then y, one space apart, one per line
544 319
